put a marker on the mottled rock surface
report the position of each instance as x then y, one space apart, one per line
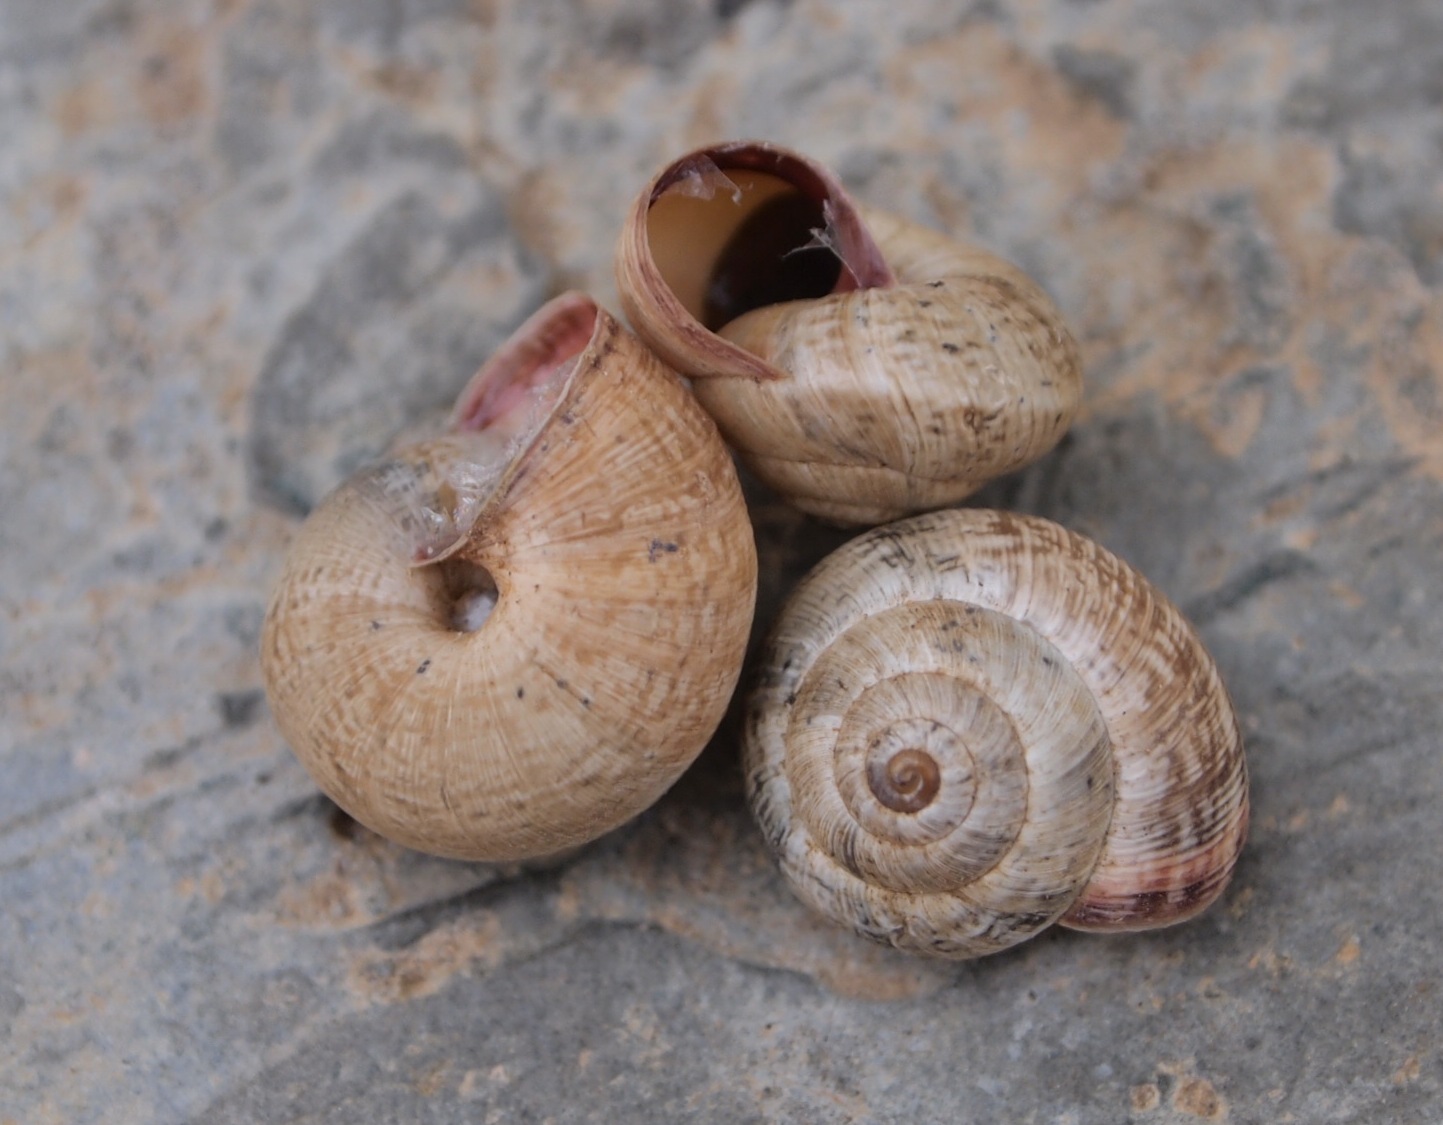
243 242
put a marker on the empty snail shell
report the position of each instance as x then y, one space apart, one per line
971 724
503 642
861 365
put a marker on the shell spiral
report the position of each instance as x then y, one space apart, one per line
504 642
863 366
969 725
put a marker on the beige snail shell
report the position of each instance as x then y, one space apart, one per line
861 365
502 643
971 724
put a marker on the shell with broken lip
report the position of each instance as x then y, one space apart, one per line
501 643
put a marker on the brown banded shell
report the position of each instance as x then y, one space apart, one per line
861 365
502 643
969 725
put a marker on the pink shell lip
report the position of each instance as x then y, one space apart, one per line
536 354
500 413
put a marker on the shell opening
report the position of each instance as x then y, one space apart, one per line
742 228
469 594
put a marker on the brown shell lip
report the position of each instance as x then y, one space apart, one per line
863 266
650 295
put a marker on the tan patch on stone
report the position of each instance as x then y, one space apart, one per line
825 16
841 962
602 88
49 206
1406 377
705 876
171 86
430 1081
482 11
1271 962
1349 952
537 209
411 84
1172 301
567 905
710 102
1254 65
1177 314
1145 1098
1046 127
330 901
423 969
85 106
1235 422
1284 506
1346 595
1208 989
1408 1072
1300 538
212 887
1196 1097
60 374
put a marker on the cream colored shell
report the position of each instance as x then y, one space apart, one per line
971 724
915 371
610 519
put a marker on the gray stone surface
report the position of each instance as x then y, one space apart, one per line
242 242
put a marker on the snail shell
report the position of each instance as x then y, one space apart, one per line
971 724
504 642
861 365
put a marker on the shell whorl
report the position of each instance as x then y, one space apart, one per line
969 725
897 373
610 533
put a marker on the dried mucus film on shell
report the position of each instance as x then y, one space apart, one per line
434 492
